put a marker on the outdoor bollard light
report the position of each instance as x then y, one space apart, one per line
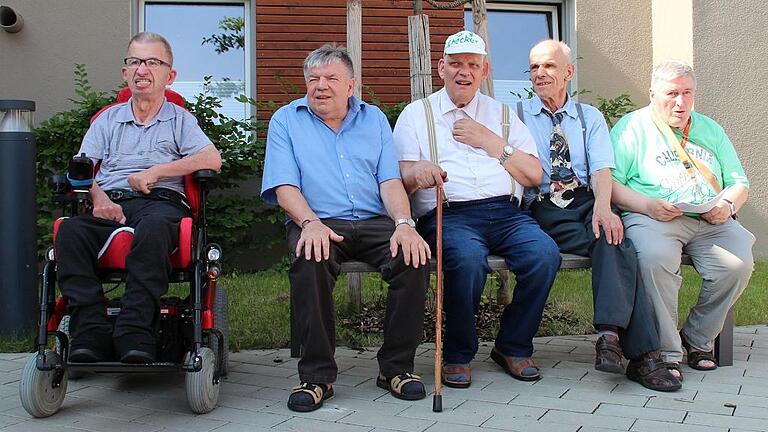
10 20
18 221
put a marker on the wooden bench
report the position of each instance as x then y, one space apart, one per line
355 270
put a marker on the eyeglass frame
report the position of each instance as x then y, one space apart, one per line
144 61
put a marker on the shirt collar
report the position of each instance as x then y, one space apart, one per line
124 113
447 105
537 107
354 105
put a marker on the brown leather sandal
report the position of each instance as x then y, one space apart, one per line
522 368
608 354
695 357
457 375
652 373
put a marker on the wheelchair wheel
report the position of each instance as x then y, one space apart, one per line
202 391
64 328
39 396
221 322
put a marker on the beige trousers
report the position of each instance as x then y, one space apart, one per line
721 254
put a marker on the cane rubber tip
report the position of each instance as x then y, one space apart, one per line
437 403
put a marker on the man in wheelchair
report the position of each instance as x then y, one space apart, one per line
144 146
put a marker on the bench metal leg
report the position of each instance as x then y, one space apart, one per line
504 295
355 291
724 342
295 340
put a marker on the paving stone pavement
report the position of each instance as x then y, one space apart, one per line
572 397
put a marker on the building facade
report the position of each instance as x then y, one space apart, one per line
615 46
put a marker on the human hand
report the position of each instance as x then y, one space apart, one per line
471 133
315 240
143 181
415 250
661 210
602 216
718 214
106 209
428 175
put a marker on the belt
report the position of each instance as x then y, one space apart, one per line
453 205
159 194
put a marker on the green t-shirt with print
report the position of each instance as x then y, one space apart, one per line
647 164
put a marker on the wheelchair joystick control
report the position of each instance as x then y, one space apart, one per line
80 173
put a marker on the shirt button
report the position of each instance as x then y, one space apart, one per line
347 175
341 156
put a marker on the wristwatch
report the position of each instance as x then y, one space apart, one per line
407 221
731 205
506 152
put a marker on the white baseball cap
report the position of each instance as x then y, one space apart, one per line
464 42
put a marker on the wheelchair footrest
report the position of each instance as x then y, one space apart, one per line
107 367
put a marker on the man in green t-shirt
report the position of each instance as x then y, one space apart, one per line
679 182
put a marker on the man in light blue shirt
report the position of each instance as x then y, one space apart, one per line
330 164
573 205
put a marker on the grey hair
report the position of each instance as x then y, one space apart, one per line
564 48
326 55
669 70
146 37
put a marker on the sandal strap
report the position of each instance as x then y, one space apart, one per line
397 382
699 356
317 391
604 344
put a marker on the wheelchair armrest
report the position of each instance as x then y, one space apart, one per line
203 175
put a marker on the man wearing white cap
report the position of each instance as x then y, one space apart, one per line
484 156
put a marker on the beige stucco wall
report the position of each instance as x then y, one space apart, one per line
614 48
37 63
729 40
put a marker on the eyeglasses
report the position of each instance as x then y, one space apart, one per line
152 63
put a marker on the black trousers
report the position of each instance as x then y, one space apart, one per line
619 296
148 266
312 286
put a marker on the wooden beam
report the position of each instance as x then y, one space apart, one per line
421 56
480 19
354 40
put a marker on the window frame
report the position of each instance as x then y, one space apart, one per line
563 21
249 6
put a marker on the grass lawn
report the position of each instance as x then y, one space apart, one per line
259 307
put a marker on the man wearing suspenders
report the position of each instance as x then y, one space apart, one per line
572 204
484 156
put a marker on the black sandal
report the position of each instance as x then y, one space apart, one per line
696 356
405 386
309 397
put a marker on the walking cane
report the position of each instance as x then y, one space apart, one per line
437 399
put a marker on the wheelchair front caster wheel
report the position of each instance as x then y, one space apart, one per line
42 392
202 389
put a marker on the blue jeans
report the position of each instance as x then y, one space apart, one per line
472 231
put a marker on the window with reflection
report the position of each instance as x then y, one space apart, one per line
513 29
208 39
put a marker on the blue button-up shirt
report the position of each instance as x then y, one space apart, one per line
338 173
598 146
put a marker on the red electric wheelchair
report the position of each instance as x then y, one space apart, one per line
192 333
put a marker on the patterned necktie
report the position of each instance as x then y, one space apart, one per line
562 178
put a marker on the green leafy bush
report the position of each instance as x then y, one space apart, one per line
58 138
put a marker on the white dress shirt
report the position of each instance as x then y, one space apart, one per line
472 173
